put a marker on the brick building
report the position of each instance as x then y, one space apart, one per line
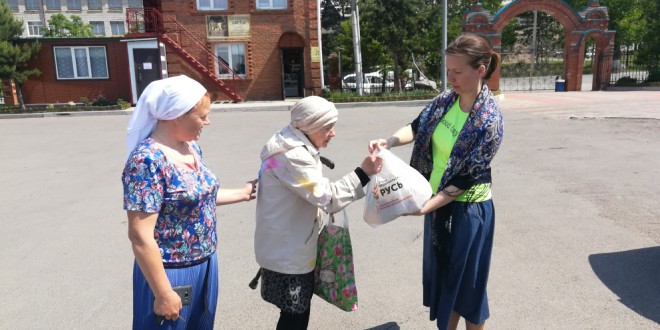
239 49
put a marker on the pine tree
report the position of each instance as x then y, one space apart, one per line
15 54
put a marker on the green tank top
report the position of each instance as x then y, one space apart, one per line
443 140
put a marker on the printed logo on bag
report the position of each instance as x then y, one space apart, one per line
389 186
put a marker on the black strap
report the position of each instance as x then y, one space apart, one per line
255 280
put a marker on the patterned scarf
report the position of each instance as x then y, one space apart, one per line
477 142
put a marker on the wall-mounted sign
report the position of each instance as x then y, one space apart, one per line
316 54
228 26
239 25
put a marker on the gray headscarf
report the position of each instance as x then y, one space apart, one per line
312 113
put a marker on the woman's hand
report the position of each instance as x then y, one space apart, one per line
242 194
371 165
168 305
377 144
250 188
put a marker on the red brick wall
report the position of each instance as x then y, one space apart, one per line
45 88
263 79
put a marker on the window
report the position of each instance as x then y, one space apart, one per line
53 5
35 29
114 4
13 4
73 4
81 62
211 4
117 28
135 3
94 5
234 57
272 4
32 4
98 28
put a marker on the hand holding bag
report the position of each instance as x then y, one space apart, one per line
396 190
334 278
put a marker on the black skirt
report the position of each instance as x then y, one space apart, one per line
292 293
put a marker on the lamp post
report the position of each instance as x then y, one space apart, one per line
443 69
318 21
355 17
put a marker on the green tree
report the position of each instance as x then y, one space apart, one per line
15 55
649 52
61 27
398 25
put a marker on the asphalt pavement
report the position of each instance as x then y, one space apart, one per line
577 238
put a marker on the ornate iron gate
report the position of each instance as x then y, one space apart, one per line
525 70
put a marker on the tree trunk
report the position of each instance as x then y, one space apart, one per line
19 93
397 84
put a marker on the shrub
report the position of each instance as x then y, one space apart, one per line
626 81
123 104
101 101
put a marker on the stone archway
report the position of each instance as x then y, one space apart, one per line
589 21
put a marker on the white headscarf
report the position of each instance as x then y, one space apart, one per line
164 99
312 113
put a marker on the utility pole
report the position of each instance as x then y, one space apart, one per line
531 67
318 23
443 70
355 18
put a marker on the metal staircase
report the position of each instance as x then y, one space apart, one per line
149 22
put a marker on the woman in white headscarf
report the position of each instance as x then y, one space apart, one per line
170 198
292 188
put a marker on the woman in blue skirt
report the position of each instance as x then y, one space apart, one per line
170 197
455 139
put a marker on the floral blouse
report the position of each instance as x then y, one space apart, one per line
183 198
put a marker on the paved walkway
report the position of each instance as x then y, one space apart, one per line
577 239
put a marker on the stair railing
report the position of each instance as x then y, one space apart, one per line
150 20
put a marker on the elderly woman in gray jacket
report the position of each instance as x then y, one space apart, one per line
292 189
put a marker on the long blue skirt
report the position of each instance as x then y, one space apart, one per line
460 284
200 314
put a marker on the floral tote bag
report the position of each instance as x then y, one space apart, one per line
334 278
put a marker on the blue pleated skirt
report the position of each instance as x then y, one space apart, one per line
200 314
460 284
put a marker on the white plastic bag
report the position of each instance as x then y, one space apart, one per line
397 189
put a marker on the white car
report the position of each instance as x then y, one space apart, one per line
372 83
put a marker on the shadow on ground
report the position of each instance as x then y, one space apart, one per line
386 326
634 276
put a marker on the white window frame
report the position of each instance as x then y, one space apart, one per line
229 61
269 5
112 5
32 5
77 3
116 23
96 23
89 62
52 3
89 7
211 5
35 28
13 5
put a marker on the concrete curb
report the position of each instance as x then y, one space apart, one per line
219 107
66 114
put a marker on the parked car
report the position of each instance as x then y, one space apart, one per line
372 83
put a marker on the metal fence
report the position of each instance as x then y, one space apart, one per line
626 70
522 70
